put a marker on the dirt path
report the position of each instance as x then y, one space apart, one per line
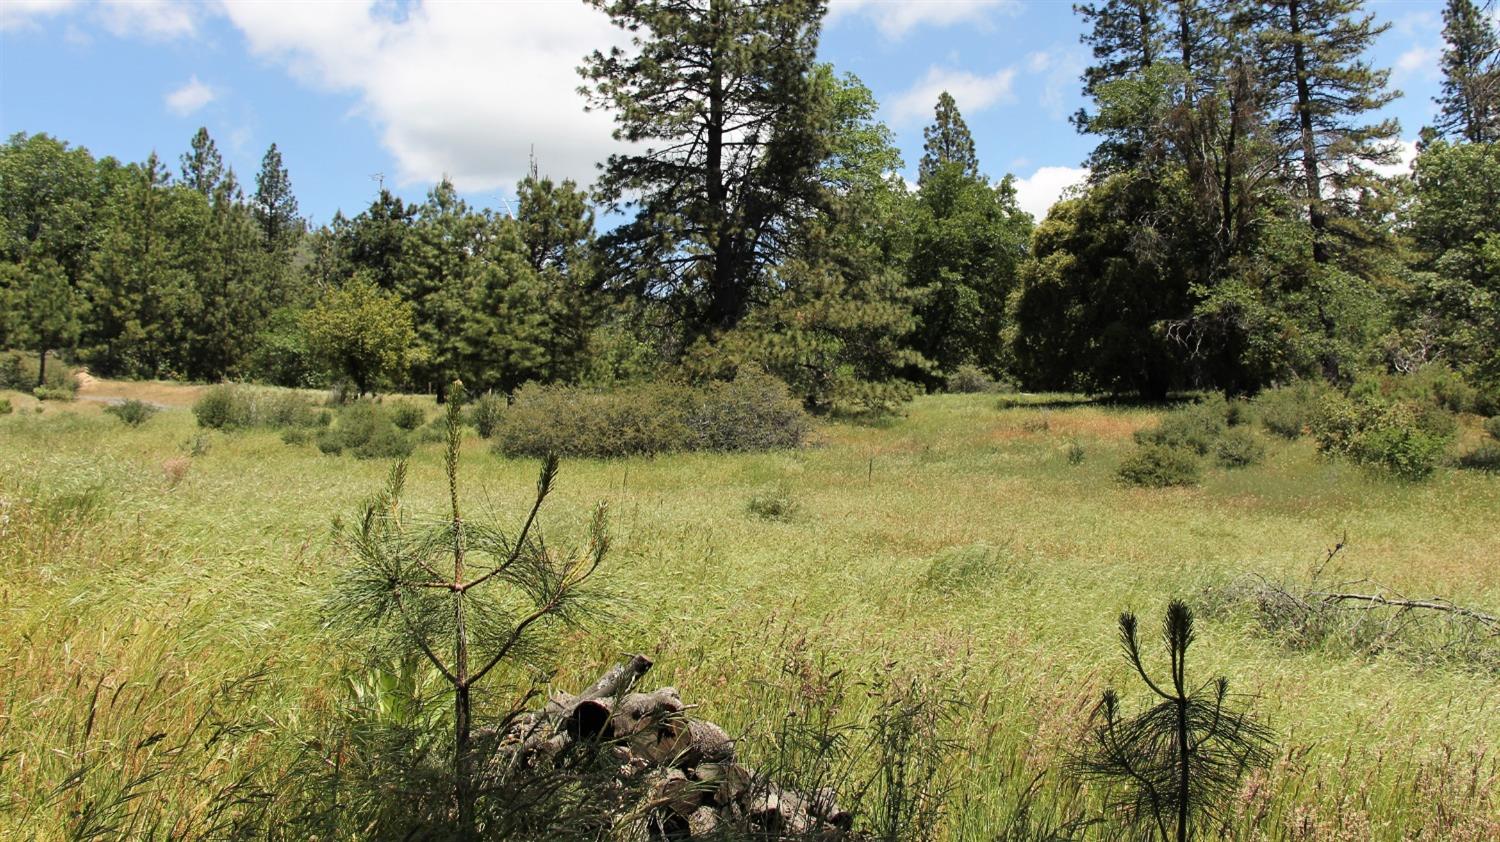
159 394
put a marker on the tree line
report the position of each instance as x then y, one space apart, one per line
1234 231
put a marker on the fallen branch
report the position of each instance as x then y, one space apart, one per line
1330 598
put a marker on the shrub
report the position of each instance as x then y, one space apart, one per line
1492 426
1401 438
485 414
1040 423
366 431
970 380
223 407
132 412
1288 411
296 436
1434 385
1485 457
1075 453
751 413
407 415
774 504
1195 428
1238 448
229 406
18 371
5 407
1159 466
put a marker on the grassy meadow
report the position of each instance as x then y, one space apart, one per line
160 593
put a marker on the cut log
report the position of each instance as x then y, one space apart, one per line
638 710
589 712
703 822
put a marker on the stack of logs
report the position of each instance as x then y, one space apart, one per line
687 768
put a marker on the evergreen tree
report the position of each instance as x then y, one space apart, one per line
1469 106
716 96
50 199
377 242
202 167
362 333
1323 89
44 311
557 225
275 206
444 243
947 141
1125 36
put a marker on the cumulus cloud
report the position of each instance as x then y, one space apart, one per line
1420 60
1406 153
466 90
895 18
18 14
154 19
972 92
1038 192
190 97
1059 67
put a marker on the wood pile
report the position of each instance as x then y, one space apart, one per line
692 782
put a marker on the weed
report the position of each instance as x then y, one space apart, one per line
774 504
1075 452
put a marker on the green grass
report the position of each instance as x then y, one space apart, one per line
128 600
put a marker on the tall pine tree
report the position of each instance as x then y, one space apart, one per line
275 206
947 141
202 166
1469 106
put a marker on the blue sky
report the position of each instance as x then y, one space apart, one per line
412 91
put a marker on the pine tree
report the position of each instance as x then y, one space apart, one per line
1126 36
1469 106
275 206
202 168
1323 88
717 95
45 312
947 141
557 226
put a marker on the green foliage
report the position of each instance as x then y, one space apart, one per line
1179 762
1492 426
1400 437
947 142
231 406
1484 457
1158 466
133 412
967 569
1469 106
776 503
970 379
1238 447
485 413
359 332
407 415
21 371
367 431
5 406
52 393
751 413
1075 452
1288 411
1195 428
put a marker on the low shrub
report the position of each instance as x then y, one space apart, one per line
1040 423
1195 428
1238 448
970 380
1288 411
1075 452
52 393
366 431
484 413
5 407
407 415
1485 457
1159 466
1401 438
132 412
754 412
1434 385
296 436
18 371
774 504
230 406
1492 426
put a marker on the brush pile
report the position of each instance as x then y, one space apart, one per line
691 782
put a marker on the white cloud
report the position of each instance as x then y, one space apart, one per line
190 97
158 19
1060 66
18 14
973 93
1406 153
1420 60
1039 191
895 18
462 89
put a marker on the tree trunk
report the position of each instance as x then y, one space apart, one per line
41 368
1315 214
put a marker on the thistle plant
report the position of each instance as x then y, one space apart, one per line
1181 759
465 596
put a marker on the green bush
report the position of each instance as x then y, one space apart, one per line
752 413
1288 411
1402 438
52 393
132 412
1159 466
485 413
1492 426
970 379
774 504
1075 452
1485 457
18 372
230 406
366 431
1195 428
1433 385
407 415
5 407
296 436
1238 448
